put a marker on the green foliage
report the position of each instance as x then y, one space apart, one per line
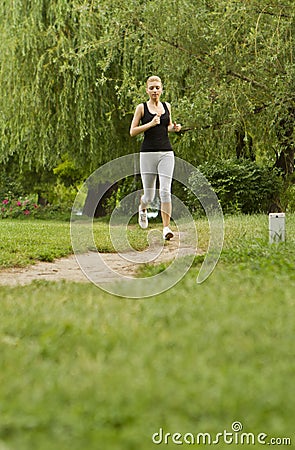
54 98
69 173
72 73
57 186
17 207
240 185
288 196
60 195
57 212
10 186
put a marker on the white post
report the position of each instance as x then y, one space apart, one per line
276 227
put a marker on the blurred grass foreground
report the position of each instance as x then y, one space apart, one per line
84 370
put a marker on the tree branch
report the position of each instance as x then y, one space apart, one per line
247 79
199 58
286 16
172 44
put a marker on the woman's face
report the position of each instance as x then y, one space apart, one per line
154 90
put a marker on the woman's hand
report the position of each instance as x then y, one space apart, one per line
156 120
175 127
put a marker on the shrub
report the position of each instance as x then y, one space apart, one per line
288 197
10 187
242 186
18 207
53 212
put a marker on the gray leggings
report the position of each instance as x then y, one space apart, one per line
153 164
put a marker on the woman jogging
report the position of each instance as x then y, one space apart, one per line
153 118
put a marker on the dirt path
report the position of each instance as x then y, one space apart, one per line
69 269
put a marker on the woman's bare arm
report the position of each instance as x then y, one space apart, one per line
135 128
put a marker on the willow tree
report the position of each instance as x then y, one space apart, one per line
55 99
72 72
228 69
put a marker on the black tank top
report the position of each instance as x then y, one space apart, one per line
156 138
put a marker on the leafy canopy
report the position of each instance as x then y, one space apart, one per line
72 72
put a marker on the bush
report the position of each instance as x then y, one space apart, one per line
18 207
242 186
10 187
27 207
53 212
288 197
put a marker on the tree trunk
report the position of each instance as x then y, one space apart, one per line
244 145
95 205
285 130
285 161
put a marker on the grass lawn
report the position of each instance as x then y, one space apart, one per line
84 370
24 242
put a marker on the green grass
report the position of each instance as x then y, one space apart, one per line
84 370
24 242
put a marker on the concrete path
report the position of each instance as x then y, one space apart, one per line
111 268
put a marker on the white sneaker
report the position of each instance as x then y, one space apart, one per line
167 234
142 218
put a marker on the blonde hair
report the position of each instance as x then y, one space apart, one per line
153 78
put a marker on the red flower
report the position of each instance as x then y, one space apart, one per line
5 201
26 212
